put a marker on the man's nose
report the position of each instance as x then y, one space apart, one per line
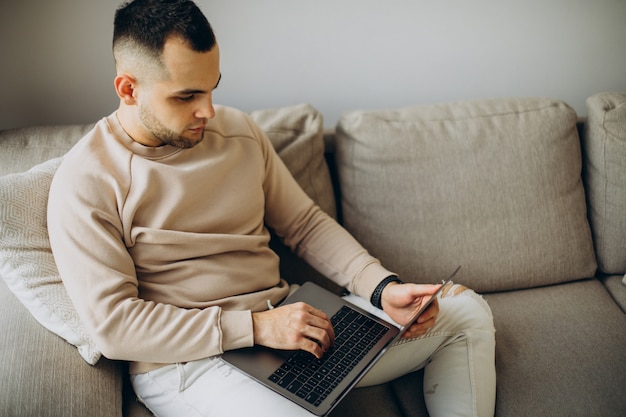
206 109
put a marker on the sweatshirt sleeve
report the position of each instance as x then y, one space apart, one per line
314 235
87 240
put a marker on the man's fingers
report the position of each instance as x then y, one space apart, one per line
418 329
311 346
431 312
294 326
318 334
322 322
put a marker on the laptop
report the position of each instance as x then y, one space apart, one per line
318 385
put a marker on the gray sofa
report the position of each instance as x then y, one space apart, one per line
527 197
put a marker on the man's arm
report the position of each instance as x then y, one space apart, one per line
312 234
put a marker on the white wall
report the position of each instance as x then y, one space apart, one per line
335 54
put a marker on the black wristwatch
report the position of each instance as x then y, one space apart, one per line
376 299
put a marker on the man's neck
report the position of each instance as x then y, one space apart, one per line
132 126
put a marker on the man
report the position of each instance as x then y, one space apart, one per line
157 222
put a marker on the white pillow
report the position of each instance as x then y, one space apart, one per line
26 261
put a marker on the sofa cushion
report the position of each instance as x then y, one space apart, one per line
42 376
616 286
26 261
605 178
559 351
493 185
25 147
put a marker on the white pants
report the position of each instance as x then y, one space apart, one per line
458 357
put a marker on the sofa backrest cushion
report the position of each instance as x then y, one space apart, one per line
23 148
605 178
492 185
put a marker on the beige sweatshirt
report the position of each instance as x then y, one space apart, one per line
164 251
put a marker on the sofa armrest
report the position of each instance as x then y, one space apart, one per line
42 375
604 149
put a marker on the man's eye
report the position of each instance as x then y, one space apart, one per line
186 98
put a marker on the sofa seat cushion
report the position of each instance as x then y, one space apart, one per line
605 178
559 351
42 376
492 185
382 400
616 286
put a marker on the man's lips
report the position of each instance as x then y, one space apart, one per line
197 129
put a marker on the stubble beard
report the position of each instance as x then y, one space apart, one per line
163 134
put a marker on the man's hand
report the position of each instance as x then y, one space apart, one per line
401 301
294 326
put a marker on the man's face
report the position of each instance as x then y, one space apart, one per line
175 109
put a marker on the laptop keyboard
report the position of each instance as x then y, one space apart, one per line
313 379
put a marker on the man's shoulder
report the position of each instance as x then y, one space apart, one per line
96 152
230 122
227 112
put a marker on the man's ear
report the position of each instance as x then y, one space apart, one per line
125 85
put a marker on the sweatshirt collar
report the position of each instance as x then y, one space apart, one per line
150 152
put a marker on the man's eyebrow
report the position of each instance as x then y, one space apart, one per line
189 91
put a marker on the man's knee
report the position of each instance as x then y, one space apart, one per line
454 289
466 308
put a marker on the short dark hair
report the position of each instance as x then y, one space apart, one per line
147 24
